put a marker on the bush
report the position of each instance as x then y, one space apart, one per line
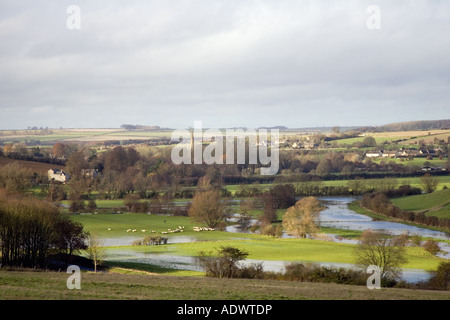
154 240
254 271
76 206
440 279
416 240
314 273
225 265
271 230
432 247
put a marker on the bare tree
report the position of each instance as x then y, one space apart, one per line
95 250
379 249
429 183
207 208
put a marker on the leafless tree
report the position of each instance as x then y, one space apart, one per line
379 249
95 250
429 183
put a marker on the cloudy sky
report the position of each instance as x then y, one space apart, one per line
226 63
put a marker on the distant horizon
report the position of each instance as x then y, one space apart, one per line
228 127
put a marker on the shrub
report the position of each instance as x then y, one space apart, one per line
253 271
76 206
432 247
154 240
440 279
271 230
314 273
416 240
225 265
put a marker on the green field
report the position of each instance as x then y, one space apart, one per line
259 247
418 162
378 140
276 249
413 181
435 204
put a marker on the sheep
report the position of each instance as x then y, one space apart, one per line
203 229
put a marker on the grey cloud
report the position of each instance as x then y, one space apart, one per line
228 63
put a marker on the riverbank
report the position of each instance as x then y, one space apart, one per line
357 207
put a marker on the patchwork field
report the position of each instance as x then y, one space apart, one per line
37 167
409 137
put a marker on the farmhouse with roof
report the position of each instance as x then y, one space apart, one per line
58 175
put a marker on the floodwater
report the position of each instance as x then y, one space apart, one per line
193 264
336 215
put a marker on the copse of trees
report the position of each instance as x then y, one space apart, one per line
31 230
15 178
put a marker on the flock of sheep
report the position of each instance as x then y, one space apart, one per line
203 229
179 229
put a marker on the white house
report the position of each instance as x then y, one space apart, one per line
374 154
58 175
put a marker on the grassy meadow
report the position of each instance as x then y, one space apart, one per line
38 285
259 247
436 203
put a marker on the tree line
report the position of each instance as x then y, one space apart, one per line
31 231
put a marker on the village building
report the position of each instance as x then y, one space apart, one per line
374 154
58 175
89 173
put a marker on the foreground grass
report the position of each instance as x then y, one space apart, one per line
109 286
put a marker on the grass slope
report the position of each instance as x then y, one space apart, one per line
106 286
436 203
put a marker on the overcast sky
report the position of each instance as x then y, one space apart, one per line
223 62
